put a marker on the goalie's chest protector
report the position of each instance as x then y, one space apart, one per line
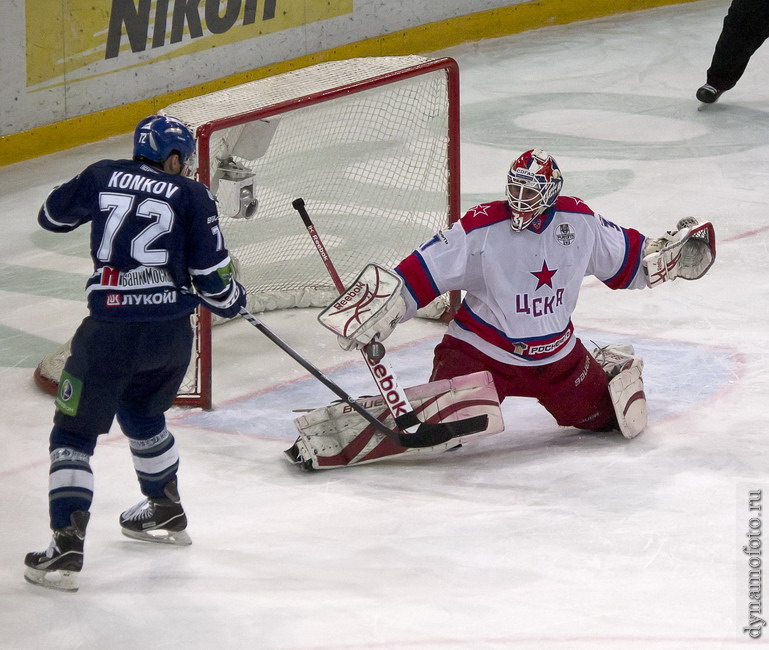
522 287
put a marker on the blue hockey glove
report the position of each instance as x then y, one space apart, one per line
228 303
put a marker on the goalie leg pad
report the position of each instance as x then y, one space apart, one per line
337 436
626 389
629 400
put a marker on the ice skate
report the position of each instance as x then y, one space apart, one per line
616 358
160 520
708 94
59 565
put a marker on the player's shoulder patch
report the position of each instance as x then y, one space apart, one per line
483 215
572 204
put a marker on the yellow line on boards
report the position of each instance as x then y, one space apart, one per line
424 38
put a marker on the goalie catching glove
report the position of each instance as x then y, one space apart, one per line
368 310
687 252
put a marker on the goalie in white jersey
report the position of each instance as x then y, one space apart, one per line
521 262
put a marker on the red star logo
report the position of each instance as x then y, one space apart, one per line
482 209
545 276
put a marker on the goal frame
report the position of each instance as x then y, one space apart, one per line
203 398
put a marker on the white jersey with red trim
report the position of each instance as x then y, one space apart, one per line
522 287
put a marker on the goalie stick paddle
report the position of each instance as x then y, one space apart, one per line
381 371
427 435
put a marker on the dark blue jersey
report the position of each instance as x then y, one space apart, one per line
152 234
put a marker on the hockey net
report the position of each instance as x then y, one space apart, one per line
370 144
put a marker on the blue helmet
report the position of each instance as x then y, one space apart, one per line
158 136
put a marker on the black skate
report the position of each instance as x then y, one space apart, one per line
708 94
57 567
160 520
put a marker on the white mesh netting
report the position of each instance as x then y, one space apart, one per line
372 167
365 142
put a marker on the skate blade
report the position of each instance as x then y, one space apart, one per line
175 537
58 580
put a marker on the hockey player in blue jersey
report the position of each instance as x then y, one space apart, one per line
157 251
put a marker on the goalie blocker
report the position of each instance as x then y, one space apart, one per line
337 436
368 310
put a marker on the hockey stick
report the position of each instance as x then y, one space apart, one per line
428 435
382 372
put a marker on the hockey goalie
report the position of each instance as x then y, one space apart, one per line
520 263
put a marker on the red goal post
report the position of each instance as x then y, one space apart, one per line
370 144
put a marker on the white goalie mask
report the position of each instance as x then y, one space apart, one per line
533 184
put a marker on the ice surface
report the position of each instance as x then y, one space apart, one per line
540 537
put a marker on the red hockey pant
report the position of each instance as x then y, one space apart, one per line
574 390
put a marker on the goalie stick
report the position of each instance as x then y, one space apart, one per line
382 372
427 435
